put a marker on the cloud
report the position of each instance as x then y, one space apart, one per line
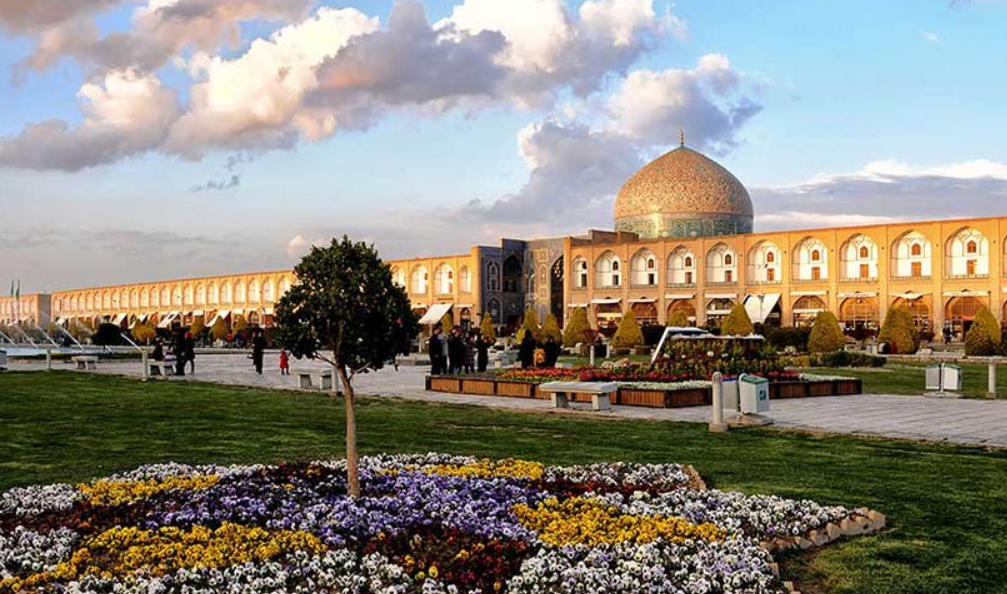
32 16
124 114
162 29
885 191
931 37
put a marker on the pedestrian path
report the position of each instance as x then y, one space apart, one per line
961 421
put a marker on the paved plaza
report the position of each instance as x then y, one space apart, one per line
973 422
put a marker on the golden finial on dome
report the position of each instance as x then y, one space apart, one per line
681 136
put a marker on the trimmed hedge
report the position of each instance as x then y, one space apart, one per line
826 335
629 334
737 322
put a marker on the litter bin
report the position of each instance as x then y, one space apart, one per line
753 392
730 392
952 381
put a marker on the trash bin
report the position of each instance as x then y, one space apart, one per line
753 392
933 378
730 392
952 381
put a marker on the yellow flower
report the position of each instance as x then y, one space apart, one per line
105 492
433 571
486 468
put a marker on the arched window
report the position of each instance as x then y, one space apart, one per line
644 268
911 256
681 267
580 273
816 255
239 292
720 267
972 247
225 292
254 295
864 252
268 290
285 285
465 279
607 271
493 277
212 294
762 263
418 280
513 274
968 255
859 257
444 279
200 294
188 295
916 250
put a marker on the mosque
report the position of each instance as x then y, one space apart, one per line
682 242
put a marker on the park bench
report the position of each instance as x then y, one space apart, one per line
324 380
562 392
162 368
85 363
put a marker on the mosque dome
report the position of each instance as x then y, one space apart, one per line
683 194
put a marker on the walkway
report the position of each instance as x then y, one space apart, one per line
973 422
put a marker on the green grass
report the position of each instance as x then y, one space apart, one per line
898 377
947 506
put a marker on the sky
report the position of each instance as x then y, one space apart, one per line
143 140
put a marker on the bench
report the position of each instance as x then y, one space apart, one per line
85 363
561 393
162 368
324 380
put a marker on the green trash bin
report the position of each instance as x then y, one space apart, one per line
753 392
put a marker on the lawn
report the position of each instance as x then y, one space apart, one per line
947 506
899 377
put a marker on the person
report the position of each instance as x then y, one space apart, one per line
284 362
158 354
178 350
190 352
456 351
434 349
482 353
470 354
552 350
526 352
947 332
258 350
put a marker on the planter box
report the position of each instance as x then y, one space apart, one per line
444 384
794 389
690 397
637 397
484 387
516 389
849 386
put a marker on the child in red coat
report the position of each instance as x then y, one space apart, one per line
284 362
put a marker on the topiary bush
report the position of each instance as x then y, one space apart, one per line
737 323
576 328
530 324
487 329
983 338
628 334
985 318
550 328
219 329
447 323
899 332
826 335
679 319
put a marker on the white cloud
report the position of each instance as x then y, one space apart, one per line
931 37
124 114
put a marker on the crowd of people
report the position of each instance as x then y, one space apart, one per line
181 351
456 352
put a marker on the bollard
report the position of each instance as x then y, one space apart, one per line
48 359
717 424
590 355
145 363
991 386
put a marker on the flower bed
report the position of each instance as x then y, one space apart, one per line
426 524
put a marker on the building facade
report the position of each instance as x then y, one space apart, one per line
682 243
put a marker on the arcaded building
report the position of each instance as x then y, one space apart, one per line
682 241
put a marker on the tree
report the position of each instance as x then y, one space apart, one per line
983 337
198 327
447 323
240 325
826 335
346 310
144 332
679 319
219 329
107 335
576 328
628 334
530 324
550 328
899 331
487 329
737 323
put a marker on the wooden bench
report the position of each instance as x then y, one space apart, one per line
83 363
562 392
324 379
162 368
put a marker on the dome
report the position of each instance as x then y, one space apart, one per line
683 194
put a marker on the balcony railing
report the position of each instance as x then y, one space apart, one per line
642 285
811 280
764 282
966 276
920 277
722 283
680 285
860 279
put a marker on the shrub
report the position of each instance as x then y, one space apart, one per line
447 323
107 335
628 334
983 338
530 324
782 338
487 329
679 319
737 323
198 327
240 326
899 332
219 330
144 332
550 328
847 359
826 336
576 328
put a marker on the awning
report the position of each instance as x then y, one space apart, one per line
643 300
909 296
435 313
464 306
419 306
606 301
760 306
576 305
168 319
717 312
810 310
198 312
846 295
721 295
220 315
60 320
118 319
267 311
809 293
673 296
965 293
237 312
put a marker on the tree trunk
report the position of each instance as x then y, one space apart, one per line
352 473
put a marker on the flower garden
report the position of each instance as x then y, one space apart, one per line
425 523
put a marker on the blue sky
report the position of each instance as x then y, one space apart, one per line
917 86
